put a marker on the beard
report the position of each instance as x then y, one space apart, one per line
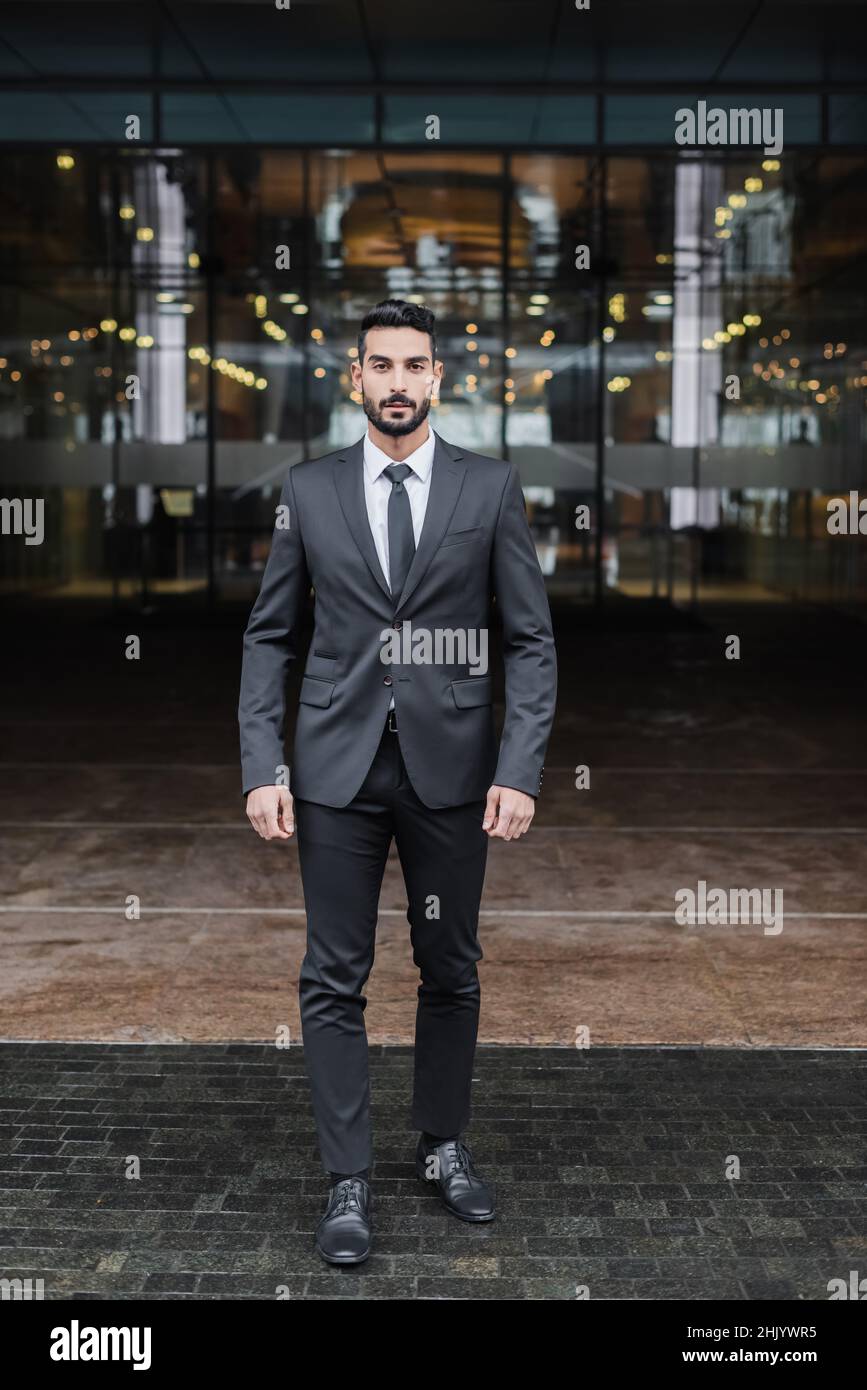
395 428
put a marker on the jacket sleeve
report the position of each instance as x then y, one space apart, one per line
270 643
529 654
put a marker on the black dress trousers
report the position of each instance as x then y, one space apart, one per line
342 854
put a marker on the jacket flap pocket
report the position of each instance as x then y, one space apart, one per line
472 692
315 691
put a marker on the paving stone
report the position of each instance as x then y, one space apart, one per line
604 1166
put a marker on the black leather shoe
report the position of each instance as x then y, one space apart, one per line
343 1234
461 1189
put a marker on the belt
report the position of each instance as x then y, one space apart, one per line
391 722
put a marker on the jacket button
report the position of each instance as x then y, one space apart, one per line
397 626
386 680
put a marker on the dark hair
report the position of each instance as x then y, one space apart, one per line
397 313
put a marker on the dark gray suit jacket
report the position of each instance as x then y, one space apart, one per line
475 543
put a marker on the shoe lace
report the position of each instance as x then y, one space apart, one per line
347 1195
458 1157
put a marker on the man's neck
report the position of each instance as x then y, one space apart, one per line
398 447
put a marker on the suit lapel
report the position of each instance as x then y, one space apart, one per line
349 481
446 482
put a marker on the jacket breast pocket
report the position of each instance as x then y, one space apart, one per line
321 664
470 533
316 691
472 692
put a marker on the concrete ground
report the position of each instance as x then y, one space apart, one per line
121 779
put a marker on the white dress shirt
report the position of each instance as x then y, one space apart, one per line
377 490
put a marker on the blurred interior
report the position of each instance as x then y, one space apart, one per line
606 385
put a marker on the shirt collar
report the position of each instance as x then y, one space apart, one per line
420 460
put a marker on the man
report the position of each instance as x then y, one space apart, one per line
404 540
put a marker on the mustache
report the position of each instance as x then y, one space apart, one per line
397 401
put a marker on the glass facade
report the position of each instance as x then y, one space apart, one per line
670 345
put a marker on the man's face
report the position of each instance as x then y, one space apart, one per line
397 379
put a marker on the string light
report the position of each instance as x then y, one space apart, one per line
242 375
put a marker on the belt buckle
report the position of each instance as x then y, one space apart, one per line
392 721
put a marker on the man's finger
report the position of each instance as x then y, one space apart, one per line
274 831
490 810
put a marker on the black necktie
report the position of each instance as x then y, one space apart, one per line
401 541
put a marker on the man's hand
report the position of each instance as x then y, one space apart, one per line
271 812
508 813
